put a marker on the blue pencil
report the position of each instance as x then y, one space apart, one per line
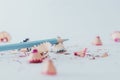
29 44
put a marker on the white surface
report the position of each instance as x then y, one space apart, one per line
12 67
78 20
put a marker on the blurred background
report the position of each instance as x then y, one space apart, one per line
78 20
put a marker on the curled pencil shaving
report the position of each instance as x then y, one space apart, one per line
4 37
59 48
116 36
81 53
38 53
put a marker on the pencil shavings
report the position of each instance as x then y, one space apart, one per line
116 36
49 68
59 48
4 37
35 56
81 53
92 54
40 52
44 47
104 55
97 41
